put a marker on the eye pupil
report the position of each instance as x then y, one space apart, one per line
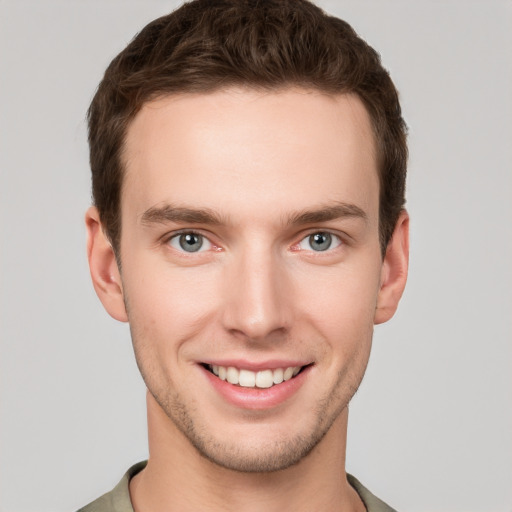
320 241
191 242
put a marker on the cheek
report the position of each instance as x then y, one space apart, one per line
165 310
340 296
169 302
340 307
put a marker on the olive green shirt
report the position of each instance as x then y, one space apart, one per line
118 499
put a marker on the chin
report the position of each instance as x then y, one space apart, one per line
250 449
256 459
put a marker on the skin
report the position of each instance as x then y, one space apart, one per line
270 169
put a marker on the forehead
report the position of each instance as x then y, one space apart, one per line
255 152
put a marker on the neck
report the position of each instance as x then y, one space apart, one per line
178 478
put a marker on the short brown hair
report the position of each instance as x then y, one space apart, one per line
206 45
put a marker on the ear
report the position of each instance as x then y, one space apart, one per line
394 271
105 274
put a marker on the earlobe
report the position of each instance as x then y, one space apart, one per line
105 274
394 271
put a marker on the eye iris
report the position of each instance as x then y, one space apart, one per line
320 241
191 242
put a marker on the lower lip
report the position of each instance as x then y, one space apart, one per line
257 398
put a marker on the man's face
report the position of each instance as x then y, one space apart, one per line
250 250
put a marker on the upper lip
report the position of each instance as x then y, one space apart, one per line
243 364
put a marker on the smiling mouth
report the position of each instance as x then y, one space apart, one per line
263 379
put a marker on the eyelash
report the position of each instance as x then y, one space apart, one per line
334 239
295 247
176 236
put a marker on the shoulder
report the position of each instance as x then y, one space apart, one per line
371 502
118 499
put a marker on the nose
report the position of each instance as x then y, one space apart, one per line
256 306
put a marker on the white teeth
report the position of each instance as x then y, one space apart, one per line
264 379
278 376
288 373
250 379
232 375
247 379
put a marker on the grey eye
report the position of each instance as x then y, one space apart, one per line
189 242
320 241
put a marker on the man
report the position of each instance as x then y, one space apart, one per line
248 162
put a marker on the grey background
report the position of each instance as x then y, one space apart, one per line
431 427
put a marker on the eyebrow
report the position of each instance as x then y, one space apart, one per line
323 213
326 213
170 213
